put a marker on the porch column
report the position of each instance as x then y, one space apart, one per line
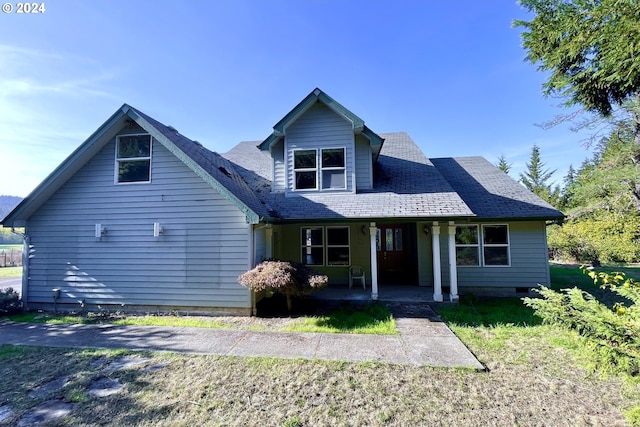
268 236
453 269
437 274
374 260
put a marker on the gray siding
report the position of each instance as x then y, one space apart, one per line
279 180
363 164
195 262
529 261
320 127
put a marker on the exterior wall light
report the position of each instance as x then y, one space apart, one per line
101 231
157 229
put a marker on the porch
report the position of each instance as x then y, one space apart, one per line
386 293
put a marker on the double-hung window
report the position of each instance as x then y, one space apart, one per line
325 246
305 169
333 169
467 245
133 158
495 245
492 241
330 175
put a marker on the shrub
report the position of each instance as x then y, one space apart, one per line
613 333
287 277
10 302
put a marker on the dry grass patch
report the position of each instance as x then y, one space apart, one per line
540 386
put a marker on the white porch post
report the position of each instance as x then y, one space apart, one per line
453 269
374 260
437 274
268 236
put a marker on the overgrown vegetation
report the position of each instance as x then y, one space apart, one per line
613 333
10 302
287 277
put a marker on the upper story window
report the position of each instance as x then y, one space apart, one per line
331 174
305 169
333 170
133 158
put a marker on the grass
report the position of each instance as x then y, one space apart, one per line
370 319
529 381
535 376
10 272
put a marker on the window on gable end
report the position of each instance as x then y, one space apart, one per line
305 169
133 158
333 169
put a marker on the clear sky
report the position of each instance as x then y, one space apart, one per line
450 73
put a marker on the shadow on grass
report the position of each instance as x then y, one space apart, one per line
338 315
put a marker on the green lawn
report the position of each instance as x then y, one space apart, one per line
10 272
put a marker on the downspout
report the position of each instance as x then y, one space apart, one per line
26 249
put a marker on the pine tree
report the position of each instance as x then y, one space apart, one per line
503 165
536 177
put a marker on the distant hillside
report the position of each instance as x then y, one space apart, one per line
7 203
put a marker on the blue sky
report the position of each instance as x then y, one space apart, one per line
450 73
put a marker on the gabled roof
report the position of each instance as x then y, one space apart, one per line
211 167
406 186
318 95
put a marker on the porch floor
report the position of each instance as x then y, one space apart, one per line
390 293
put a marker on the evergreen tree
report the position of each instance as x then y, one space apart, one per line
536 178
503 165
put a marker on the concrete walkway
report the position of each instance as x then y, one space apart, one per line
423 341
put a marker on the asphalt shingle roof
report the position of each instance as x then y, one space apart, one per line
221 169
489 192
406 185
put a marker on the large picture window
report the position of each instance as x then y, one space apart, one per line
133 158
492 241
305 169
325 246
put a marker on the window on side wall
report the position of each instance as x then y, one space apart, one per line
305 169
495 245
133 158
333 169
467 245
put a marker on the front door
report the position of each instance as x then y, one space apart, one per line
394 262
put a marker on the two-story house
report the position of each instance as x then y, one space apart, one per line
141 216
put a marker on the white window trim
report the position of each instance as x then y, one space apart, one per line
477 246
325 245
294 170
497 245
304 245
341 168
481 245
119 159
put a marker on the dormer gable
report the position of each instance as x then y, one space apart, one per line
321 147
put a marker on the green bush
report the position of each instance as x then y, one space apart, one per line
613 333
287 277
10 302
